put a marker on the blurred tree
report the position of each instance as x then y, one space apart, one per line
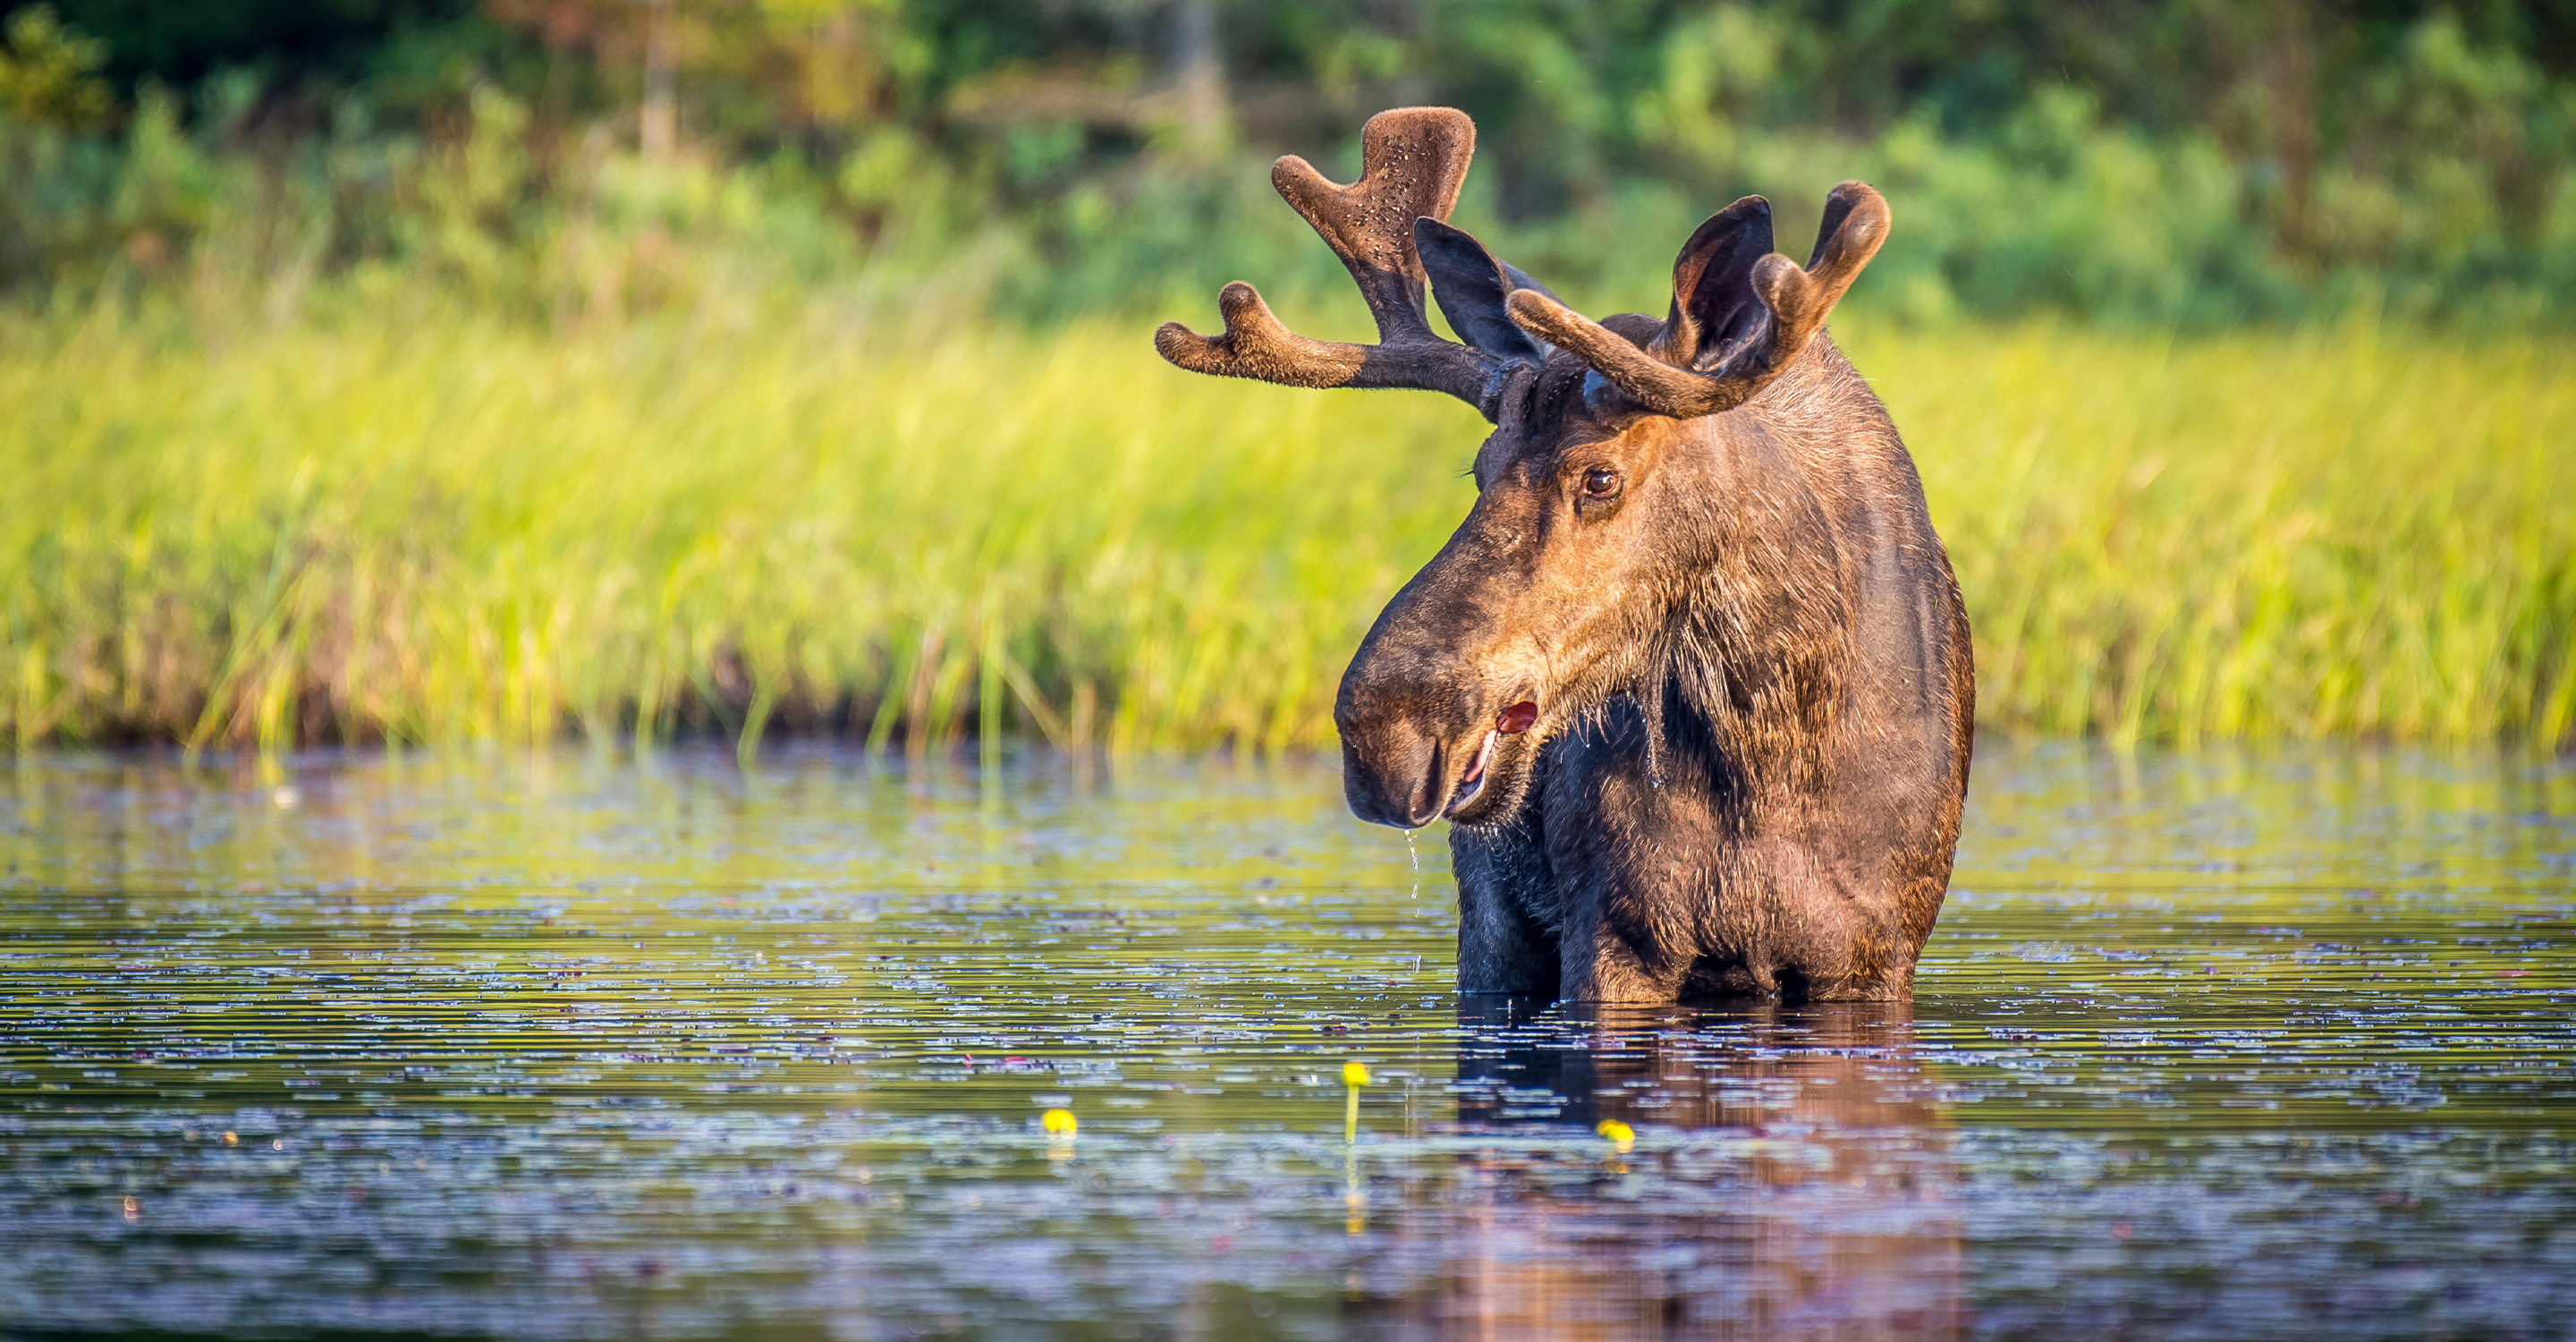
48 76
184 42
742 73
2121 152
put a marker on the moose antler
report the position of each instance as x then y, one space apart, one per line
1413 160
1666 374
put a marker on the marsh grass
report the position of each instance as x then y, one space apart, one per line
434 527
2349 533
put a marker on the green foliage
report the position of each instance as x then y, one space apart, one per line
48 75
857 516
2154 163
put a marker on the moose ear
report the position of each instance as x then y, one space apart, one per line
1714 306
1741 314
1471 284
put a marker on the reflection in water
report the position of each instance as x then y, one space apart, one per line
586 1044
1813 1180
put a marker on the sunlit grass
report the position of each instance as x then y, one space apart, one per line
432 527
2355 533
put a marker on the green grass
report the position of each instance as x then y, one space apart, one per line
430 527
2355 533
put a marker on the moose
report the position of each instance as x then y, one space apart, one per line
1692 681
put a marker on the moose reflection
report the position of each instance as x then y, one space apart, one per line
1790 1180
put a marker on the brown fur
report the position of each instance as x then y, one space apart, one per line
1700 549
1777 585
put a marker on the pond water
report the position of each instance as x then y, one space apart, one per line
2259 1044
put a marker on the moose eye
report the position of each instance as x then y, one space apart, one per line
1600 484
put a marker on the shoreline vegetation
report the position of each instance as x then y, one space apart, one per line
506 371
423 524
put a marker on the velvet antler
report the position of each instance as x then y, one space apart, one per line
1413 160
1689 367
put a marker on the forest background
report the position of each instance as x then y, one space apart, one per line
424 370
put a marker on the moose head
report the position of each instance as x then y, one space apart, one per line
1611 488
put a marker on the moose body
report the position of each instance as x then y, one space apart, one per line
1692 680
1787 826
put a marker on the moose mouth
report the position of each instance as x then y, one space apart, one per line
1511 722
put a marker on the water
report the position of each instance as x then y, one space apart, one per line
2242 1045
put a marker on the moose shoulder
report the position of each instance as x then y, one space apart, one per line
1691 682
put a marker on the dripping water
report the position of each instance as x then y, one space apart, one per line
1416 855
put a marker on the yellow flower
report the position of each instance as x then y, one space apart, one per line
1620 1134
1355 1074
1057 1122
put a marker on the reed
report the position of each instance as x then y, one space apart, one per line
2348 533
434 526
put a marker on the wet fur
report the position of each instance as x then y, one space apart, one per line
1744 650
1803 692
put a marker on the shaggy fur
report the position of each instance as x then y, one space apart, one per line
1754 691
1692 679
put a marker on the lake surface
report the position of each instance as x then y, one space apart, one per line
2246 1044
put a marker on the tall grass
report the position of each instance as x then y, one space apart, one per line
2331 533
433 526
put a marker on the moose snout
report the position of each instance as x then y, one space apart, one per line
1393 775
1418 706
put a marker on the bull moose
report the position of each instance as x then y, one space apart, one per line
1691 683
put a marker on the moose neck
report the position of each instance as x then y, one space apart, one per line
1750 674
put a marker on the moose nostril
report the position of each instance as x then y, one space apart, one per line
1424 805
1395 774
1517 718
